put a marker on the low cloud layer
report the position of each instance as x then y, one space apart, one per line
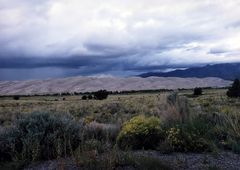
59 38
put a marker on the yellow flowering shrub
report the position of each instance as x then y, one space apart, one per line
140 132
174 137
187 139
88 119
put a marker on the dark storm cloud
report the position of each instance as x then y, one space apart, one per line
153 68
26 62
66 38
83 64
218 51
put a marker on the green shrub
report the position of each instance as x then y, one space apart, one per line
40 136
183 141
140 132
190 137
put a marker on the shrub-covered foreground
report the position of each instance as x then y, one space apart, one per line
40 136
150 133
94 143
44 136
201 133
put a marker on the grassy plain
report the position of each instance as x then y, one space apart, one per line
205 123
115 109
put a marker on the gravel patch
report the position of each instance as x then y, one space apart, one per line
193 161
176 161
66 164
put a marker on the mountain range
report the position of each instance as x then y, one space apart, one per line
218 75
227 71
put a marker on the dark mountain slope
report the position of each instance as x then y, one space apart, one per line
228 71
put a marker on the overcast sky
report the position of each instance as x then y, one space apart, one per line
59 38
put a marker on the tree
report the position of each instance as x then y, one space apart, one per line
100 95
16 97
197 91
234 91
90 97
84 97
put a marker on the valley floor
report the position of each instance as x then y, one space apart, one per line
196 132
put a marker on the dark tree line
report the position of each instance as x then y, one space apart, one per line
98 95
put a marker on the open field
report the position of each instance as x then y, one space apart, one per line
191 130
116 108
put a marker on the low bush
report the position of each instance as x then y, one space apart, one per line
192 136
16 97
185 141
40 136
84 97
197 91
90 97
140 132
101 94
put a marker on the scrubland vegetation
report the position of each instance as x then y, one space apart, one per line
109 134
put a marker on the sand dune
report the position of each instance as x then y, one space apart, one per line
83 84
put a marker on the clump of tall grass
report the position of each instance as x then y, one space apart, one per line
231 127
101 131
179 106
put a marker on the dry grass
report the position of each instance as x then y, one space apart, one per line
102 119
224 111
115 109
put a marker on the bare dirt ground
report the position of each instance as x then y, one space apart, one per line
175 161
194 161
